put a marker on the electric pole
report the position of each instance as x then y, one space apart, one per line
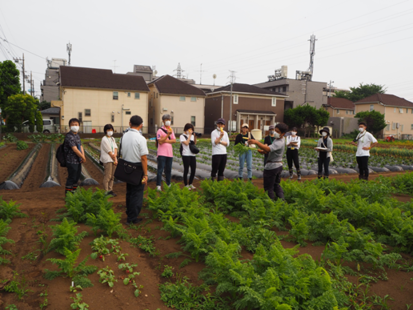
232 77
69 50
329 88
31 85
17 60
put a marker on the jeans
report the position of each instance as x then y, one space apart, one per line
272 180
363 163
248 157
134 201
189 161
218 164
323 162
164 163
74 171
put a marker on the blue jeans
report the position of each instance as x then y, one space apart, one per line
134 201
248 157
164 163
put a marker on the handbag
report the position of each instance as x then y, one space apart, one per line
192 147
128 172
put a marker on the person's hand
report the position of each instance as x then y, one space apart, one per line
317 149
366 148
83 159
145 179
252 141
115 162
262 151
221 134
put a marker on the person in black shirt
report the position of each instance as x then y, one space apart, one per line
75 156
243 138
268 140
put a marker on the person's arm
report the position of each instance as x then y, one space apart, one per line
373 143
263 147
187 141
216 140
163 139
238 139
318 145
172 140
144 161
225 141
299 143
329 145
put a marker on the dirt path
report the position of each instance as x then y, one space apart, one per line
37 173
10 159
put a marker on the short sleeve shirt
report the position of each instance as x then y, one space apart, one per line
72 140
134 146
166 148
186 151
275 156
365 141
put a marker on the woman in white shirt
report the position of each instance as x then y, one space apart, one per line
108 152
188 158
293 145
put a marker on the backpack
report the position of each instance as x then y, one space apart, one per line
156 141
61 155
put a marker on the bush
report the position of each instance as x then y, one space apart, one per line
10 137
352 135
21 145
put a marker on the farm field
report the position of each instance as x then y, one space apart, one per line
337 243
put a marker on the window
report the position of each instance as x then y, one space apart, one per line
411 127
395 110
412 111
400 110
47 123
193 99
371 107
156 95
79 116
393 126
112 119
182 98
128 113
172 119
284 89
235 99
407 111
87 112
128 94
273 101
137 96
193 118
115 95
388 127
338 111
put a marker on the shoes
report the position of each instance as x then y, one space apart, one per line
191 187
188 187
299 177
159 188
250 179
111 193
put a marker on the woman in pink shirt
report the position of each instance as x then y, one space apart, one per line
165 138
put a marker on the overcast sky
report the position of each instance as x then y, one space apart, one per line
358 41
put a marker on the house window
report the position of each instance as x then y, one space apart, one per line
193 99
235 99
388 127
182 98
112 118
395 110
338 111
284 89
193 118
400 110
371 107
137 96
128 113
407 111
87 112
412 111
79 116
128 94
393 126
274 102
156 95
115 95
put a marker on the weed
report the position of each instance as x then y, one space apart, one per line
173 255
31 256
11 307
45 302
167 272
19 288
107 276
65 236
78 302
185 262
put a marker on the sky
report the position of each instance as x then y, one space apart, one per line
363 41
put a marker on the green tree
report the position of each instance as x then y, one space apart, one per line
360 92
374 120
44 105
9 81
20 108
306 116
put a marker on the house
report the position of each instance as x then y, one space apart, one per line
184 102
53 114
145 71
50 85
98 97
253 105
398 113
339 107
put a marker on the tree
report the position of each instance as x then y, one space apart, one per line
306 116
374 120
360 92
44 105
9 81
20 108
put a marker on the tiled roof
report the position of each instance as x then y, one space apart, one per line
169 85
387 99
100 78
140 68
51 111
246 88
341 103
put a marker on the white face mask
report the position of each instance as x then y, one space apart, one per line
74 128
293 133
109 133
324 134
276 135
168 123
361 129
271 132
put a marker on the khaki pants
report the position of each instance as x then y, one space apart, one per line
109 176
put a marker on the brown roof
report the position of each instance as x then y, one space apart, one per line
100 78
169 85
386 99
247 88
341 103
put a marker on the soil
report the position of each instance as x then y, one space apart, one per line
41 204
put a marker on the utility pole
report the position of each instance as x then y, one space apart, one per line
329 88
232 77
31 85
17 60
69 50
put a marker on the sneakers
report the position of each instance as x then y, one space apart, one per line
111 193
191 187
299 177
159 188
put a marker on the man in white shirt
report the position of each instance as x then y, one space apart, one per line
364 142
220 142
134 149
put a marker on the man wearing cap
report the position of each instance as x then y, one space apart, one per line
243 138
220 142
324 149
165 138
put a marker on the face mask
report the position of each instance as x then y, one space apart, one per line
324 134
276 135
293 133
361 129
168 123
74 128
109 133
271 132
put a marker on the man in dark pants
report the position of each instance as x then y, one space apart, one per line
220 142
274 165
268 140
134 149
364 142
75 156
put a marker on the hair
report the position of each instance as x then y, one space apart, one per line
189 126
363 123
107 127
282 127
74 120
136 121
294 129
166 116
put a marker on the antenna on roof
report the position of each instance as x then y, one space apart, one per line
179 71
114 66
214 76
69 50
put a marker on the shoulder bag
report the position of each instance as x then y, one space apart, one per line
128 172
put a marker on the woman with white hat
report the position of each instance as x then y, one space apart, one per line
243 138
324 149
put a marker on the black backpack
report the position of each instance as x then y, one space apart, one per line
61 155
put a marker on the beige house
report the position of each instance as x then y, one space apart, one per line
339 107
98 97
398 113
184 102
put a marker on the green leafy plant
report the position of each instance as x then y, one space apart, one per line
65 237
128 268
78 302
10 210
19 288
100 247
106 220
10 137
167 272
107 276
74 288
145 244
45 302
21 145
4 229
11 307
68 268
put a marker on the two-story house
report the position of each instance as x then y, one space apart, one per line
339 107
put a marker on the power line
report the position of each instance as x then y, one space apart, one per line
5 40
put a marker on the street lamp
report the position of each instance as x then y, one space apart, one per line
123 109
